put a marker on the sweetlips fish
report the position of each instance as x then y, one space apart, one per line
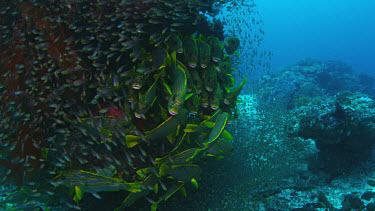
216 48
197 80
148 99
210 77
190 51
138 81
192 103
204 53
85 181
183 173
158 57
174 43
216 98
233 94
147 185
161 131
204 99
179 90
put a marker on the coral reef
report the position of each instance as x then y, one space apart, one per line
313 79
343 128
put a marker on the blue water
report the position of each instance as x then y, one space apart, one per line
327 30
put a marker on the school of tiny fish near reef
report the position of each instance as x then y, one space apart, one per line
112 95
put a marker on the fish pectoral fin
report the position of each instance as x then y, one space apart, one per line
227 135
188 96
195 183
78 195
171 137
131 140
209 124
183 191
154 207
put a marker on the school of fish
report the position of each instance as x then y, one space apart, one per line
112 95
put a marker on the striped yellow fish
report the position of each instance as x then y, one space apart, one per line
183 173
161 131
88 182
191 51
216 98
233 94
146 101
210 77
98 124
216 49
147 185
204 52
179 90
217 130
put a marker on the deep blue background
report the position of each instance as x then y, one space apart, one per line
324 29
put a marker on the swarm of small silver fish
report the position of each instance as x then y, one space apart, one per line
111 95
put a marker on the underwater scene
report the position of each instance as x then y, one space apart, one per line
196 105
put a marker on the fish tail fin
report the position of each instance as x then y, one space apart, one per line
163 169
131 187
131 140
244 81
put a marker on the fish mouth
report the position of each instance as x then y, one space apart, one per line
136 87
137 115
214 108
209 89
205 106
215 59
192 65
194 113
180 51
226 102
172 112
203 66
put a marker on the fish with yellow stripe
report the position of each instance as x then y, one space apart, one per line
174 43
138 81
216 48
197 80
147 100
220 147
190 51
171 190
158 57
162 130
216 98
233 94
218 128
89 182
183 173
103 124
204 98
188 75
179 90
204 52
192 103
146 185
210 77
178 159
